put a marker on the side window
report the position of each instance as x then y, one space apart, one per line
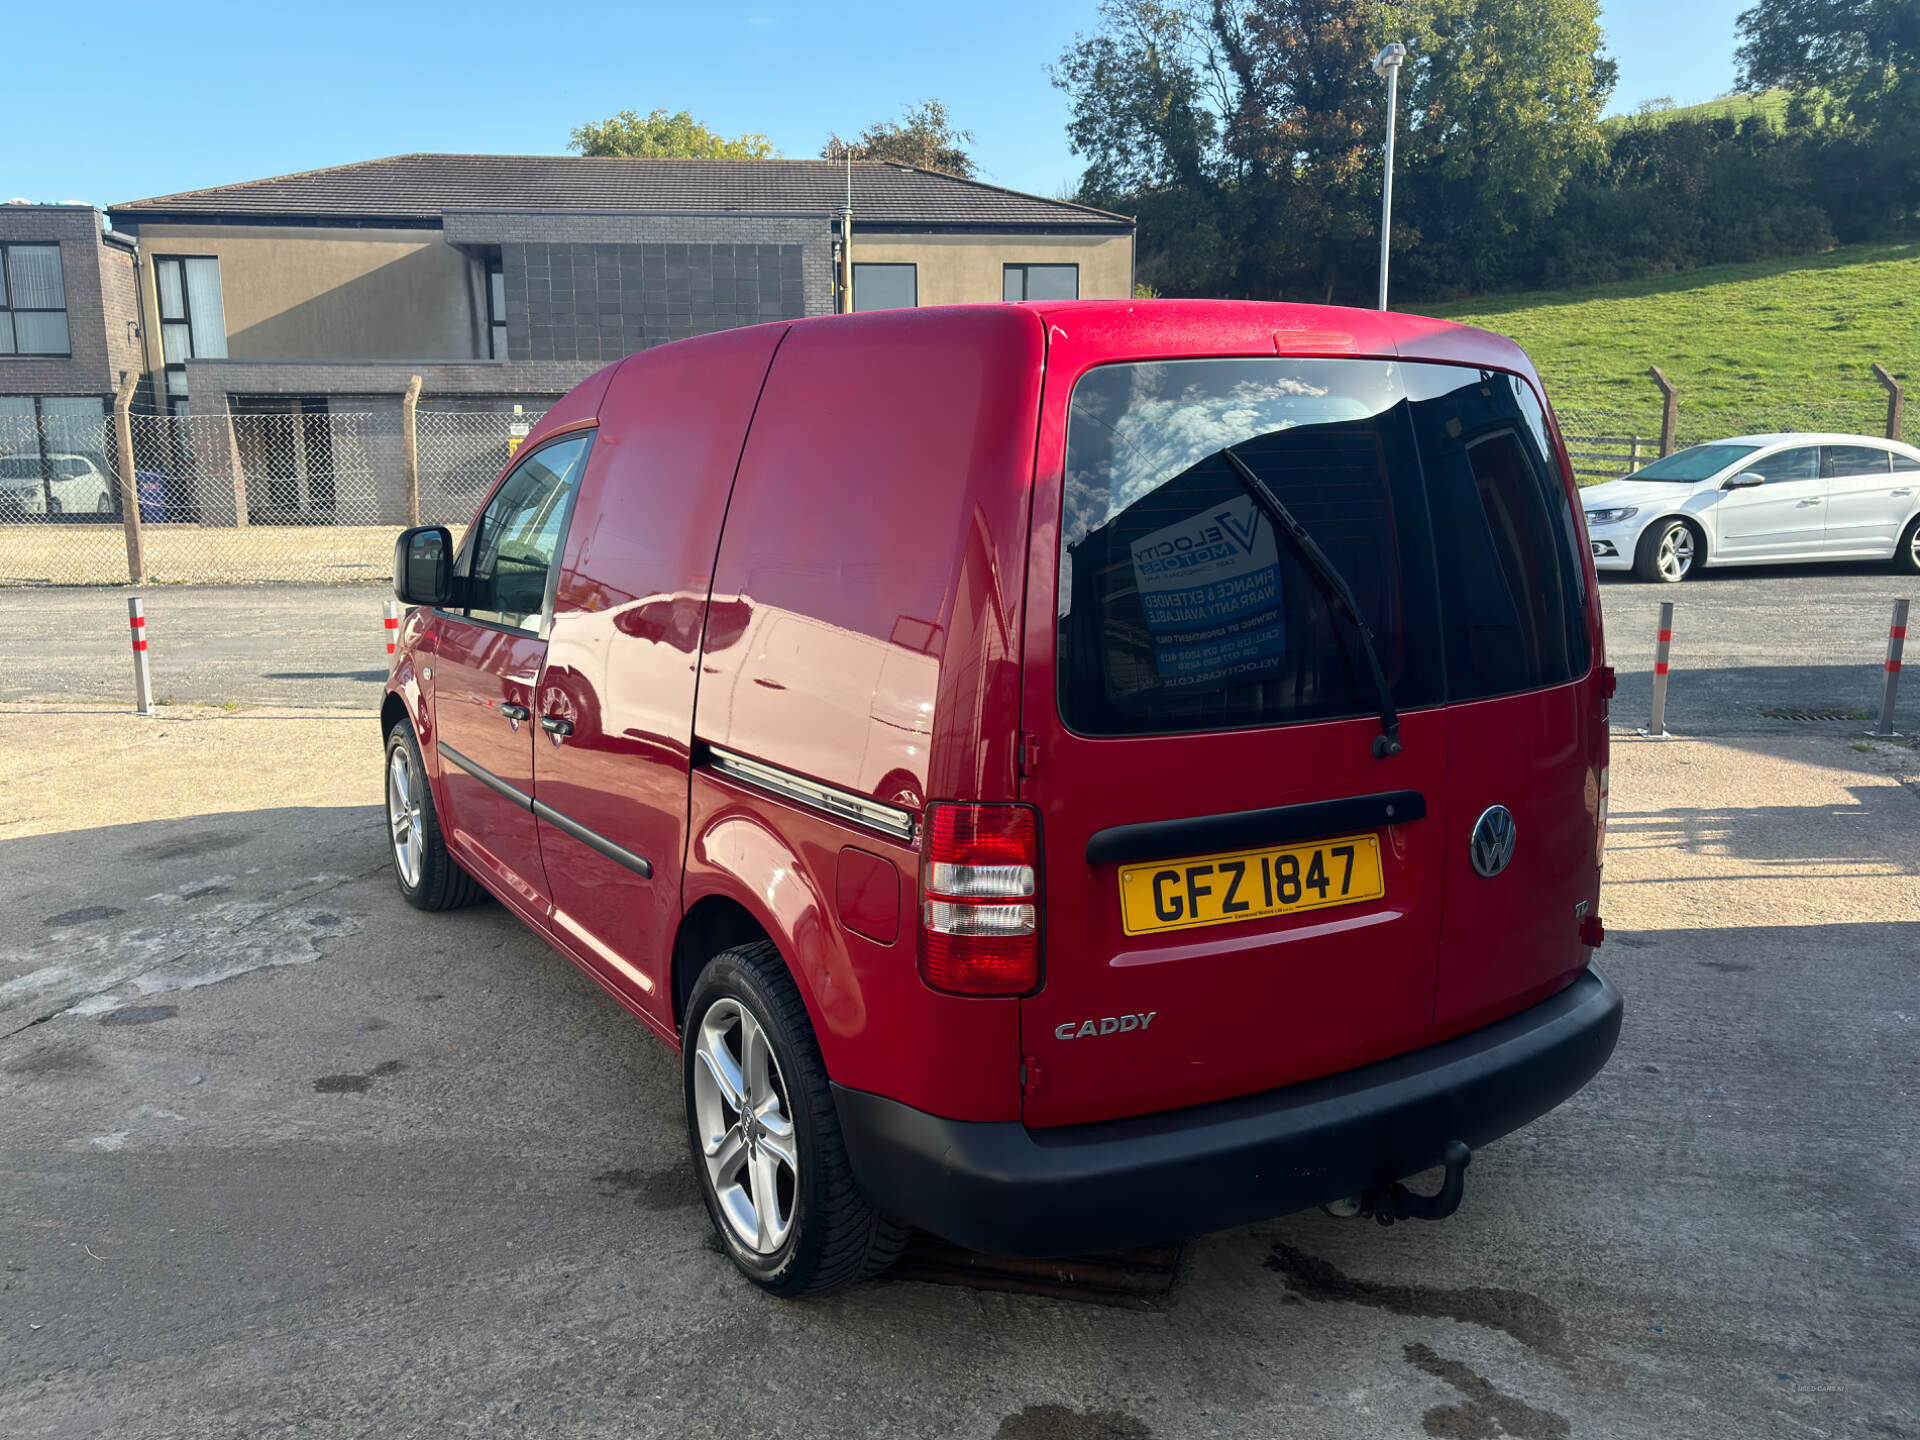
1905 462
1802 463
1845 460
519 536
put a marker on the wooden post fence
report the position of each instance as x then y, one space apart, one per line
129 478
1896 399
410 449
1670 410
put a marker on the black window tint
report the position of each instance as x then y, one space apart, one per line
1431 488
1800 463
1844 460
519 536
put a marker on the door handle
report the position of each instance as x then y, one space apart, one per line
1907 491
556 725
515 713
1804 503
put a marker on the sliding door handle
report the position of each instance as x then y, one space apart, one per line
555 725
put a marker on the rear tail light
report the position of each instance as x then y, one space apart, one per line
979 899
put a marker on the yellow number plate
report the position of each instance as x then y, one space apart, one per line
1250 884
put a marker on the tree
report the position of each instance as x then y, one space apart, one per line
926 136
663 136
1865 54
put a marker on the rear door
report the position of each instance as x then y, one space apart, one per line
1237 893
1786 516
1864 516
1526 733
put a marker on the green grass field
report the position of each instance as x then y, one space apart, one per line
1775 345
1772 104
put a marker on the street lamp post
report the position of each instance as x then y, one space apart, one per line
1388 63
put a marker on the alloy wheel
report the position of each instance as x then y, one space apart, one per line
403 815
1676 552
746 1134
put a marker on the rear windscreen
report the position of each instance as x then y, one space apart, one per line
1429 487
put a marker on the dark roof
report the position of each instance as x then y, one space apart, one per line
424 186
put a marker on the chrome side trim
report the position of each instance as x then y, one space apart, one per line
840 804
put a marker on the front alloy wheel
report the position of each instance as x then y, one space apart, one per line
1666 552
403 815
746 1132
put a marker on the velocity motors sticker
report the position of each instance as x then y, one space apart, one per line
1210 585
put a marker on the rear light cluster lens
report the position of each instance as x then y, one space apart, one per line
979 900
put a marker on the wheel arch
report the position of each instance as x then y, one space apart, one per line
712 924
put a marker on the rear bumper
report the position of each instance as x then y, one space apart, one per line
1002 1188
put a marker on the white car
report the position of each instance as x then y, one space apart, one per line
65 485
1760 500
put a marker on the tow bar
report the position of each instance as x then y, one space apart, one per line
1396 1202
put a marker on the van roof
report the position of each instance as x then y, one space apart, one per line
1252 326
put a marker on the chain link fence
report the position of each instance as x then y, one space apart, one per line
240 498
319 495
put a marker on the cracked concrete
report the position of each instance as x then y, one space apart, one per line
369 1172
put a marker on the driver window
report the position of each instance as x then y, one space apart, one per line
520 536
1802 463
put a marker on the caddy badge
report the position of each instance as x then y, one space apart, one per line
1494 834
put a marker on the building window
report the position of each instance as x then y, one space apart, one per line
53 457
33 301
885 287
496 311
1041 282
193 323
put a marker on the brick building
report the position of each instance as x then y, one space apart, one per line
69 328
504 280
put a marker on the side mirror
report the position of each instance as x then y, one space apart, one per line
423 566
1745 480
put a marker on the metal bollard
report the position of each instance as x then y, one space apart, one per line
142 681
1896 642
1663 647
393 625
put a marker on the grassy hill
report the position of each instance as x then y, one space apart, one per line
1772 104
1780 344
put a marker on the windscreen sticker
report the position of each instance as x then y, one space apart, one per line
1210 586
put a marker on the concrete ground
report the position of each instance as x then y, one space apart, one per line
1748 640
284 1157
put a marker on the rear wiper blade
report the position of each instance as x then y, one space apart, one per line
1387 742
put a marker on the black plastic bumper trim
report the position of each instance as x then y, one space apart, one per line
1004 1189
1252 829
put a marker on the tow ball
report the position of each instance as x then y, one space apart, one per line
1396 1202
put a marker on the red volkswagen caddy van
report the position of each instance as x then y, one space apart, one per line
1063 776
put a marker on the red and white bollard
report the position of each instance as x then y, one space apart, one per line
393 626
142 681
1662 649
1896 643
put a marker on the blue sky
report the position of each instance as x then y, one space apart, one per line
208 94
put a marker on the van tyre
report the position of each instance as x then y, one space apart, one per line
429 878
766 1140
1669 552
1906 555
